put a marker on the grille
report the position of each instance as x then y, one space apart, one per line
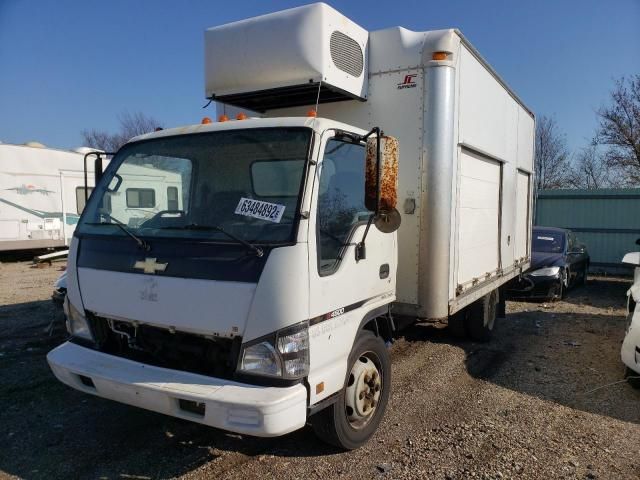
346 54
215 357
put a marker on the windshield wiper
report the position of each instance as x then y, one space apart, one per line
140 241
194 226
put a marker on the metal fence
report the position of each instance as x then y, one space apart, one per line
607 221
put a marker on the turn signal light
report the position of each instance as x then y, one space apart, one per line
312 113
241 116
223 118
439 55
206 120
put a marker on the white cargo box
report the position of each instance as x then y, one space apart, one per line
287 59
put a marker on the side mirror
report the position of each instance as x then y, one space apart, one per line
381 182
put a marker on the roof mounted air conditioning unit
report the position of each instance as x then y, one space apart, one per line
287 59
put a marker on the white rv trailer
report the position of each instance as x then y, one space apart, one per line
265 302
42 195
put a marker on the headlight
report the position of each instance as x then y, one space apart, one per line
77 324
546 272
285 354
262 359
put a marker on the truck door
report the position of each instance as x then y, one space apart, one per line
342 290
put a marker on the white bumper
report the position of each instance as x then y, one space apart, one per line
237 407
630 352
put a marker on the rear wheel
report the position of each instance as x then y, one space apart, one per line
583 275
356 414
481 317
456 324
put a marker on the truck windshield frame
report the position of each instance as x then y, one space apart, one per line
213 174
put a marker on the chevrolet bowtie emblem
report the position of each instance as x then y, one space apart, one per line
150 265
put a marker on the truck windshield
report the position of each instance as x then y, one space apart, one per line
230 186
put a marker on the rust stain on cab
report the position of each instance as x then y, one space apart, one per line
388 174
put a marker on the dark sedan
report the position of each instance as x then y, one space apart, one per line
558 262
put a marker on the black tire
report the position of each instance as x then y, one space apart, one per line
583 276
563 285
457 324
632 377
481 317
333 425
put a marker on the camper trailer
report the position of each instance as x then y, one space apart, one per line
42 194
387 180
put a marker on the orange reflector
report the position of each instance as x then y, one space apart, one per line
241 116
440 55
223 118
312 113
319 388
206 120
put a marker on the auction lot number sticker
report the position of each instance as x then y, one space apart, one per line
272 212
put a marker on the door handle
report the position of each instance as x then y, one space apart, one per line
384 270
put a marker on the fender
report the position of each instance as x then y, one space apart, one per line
380 322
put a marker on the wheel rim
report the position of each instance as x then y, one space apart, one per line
491 318
565 279
364 387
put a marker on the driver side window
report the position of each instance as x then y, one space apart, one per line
340 201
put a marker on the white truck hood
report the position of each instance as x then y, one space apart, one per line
206 307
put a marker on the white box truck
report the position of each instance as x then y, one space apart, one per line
264 299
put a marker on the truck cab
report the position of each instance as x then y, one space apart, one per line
237 305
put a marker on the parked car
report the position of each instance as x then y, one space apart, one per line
630 352
60 289
558 262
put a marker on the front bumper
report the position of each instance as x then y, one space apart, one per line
233 406
529 286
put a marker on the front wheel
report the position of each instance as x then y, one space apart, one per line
360 406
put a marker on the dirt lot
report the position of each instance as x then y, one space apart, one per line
520 407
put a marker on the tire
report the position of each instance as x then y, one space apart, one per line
563 284
481 317
632 377
583 276
340 424
457 324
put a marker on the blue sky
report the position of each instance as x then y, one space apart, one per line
69 65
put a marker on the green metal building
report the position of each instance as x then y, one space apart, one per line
607 221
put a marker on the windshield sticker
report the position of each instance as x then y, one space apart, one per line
271 212
546 238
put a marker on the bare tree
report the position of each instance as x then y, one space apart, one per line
619 127
130 126
552 156
590 169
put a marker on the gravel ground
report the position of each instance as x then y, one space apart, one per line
523 406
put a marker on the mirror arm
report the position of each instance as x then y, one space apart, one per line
361 249
97 170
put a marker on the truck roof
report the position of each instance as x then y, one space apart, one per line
316 123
